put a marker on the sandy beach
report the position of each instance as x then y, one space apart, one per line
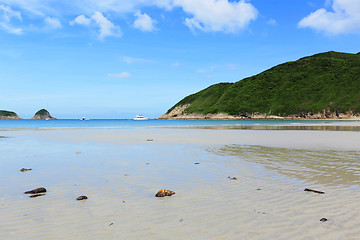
120 170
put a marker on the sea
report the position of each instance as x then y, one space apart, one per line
352 125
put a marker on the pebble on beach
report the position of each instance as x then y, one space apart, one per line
36 190
163 193
82 198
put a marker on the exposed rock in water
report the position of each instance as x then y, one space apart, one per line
42 114
163 193
82 198
36 190
8 115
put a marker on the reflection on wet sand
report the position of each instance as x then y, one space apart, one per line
317 167
278 127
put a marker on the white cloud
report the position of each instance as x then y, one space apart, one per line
343 18
106 27
119 75
218 15
205 15
81 20
6 16
53 22
144 22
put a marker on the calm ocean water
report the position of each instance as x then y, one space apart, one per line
129 123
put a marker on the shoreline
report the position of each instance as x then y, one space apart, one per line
272 118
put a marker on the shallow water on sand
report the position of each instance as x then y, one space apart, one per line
120 172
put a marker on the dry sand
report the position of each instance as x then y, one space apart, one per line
120 170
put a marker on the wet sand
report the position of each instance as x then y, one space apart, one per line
120 170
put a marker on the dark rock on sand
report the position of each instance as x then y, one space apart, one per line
36 190
25 169
82 198
163 193
315 191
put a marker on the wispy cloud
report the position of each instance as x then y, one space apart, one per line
119 75
144 22
232 67
7 14
272 22
205 70
343 18
52 22
130 60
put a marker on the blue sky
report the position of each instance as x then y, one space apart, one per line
119 58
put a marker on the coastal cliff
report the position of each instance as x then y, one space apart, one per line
8 115
322 86
42 114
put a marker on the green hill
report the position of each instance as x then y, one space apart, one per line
8 115
326 83
42 114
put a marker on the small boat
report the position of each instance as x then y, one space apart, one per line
141 117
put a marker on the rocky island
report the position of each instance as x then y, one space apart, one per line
8 115
322 86
42 114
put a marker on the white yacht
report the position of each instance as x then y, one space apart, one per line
141 117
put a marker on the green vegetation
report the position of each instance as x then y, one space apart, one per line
42 112
4 113
328 80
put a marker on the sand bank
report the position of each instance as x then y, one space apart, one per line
120 170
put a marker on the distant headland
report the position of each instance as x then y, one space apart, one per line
41 114
322 86
8 115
